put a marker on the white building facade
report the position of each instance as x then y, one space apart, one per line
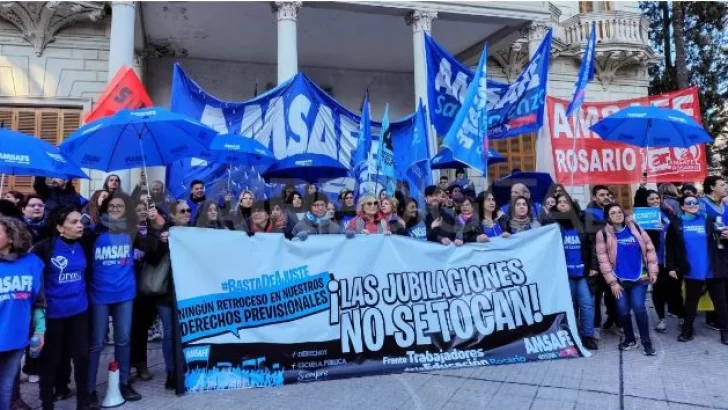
55 57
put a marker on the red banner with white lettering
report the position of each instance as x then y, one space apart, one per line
595 161
125 91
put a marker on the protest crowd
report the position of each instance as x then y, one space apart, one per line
91 254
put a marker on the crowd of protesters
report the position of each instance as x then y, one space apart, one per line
69 267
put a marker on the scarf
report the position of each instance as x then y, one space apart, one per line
688 217
315 219
464 219
267 228
520 225
113 225
36 224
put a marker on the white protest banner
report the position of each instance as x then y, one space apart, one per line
265 311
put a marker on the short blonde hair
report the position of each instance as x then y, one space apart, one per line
393 201
364 199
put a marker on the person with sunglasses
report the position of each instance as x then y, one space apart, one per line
315 221
369 218
628 262
692 252
112 287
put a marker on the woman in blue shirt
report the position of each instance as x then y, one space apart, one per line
581 264
691 252
113 287
21 301
628 262
667 290
67 258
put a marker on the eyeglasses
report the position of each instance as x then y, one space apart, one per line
120 207
691 202
371 203
184 211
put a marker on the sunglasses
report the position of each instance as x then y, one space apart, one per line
184 211
371 203
691 202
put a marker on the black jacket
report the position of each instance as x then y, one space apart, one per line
446 230
469 231
154 251
55 197
677 259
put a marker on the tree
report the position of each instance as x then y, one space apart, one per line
695 53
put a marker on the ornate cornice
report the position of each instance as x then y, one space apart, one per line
512 59
39 22
421 20
286 10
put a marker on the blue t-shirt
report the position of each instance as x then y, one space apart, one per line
113 278
572 251
20 283
65 282
418 231
493 231
663 238
713 210
598 213
696 248
629 256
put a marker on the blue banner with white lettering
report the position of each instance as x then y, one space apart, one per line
361 161
586 72
447 84
466 137
295 117
385 155
521 108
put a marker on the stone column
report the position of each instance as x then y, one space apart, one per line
121 53
421 22
286 13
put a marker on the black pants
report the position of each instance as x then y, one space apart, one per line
65 336
143 316
604 292
693 292
667 291
718 290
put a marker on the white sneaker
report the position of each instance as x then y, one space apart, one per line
33 378
661 326
597 334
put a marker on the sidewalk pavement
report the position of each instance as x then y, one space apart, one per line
682 376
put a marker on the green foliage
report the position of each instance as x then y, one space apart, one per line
706 50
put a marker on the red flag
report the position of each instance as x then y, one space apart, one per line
125 91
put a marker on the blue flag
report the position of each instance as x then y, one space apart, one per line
385 156
411 153
466 137
447 84
360 159
521 109
586 73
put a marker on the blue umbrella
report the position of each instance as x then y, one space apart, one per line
22 154
311 168
652 127
538 183
445 160
137 138
239 150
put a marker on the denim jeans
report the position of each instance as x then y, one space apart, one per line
9 368
633 298
165 314
582 298
121 313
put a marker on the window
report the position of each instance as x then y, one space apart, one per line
520 153
594 6
50 124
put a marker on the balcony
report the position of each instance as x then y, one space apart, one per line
621 41
613 27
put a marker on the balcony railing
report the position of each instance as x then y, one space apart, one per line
612 27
